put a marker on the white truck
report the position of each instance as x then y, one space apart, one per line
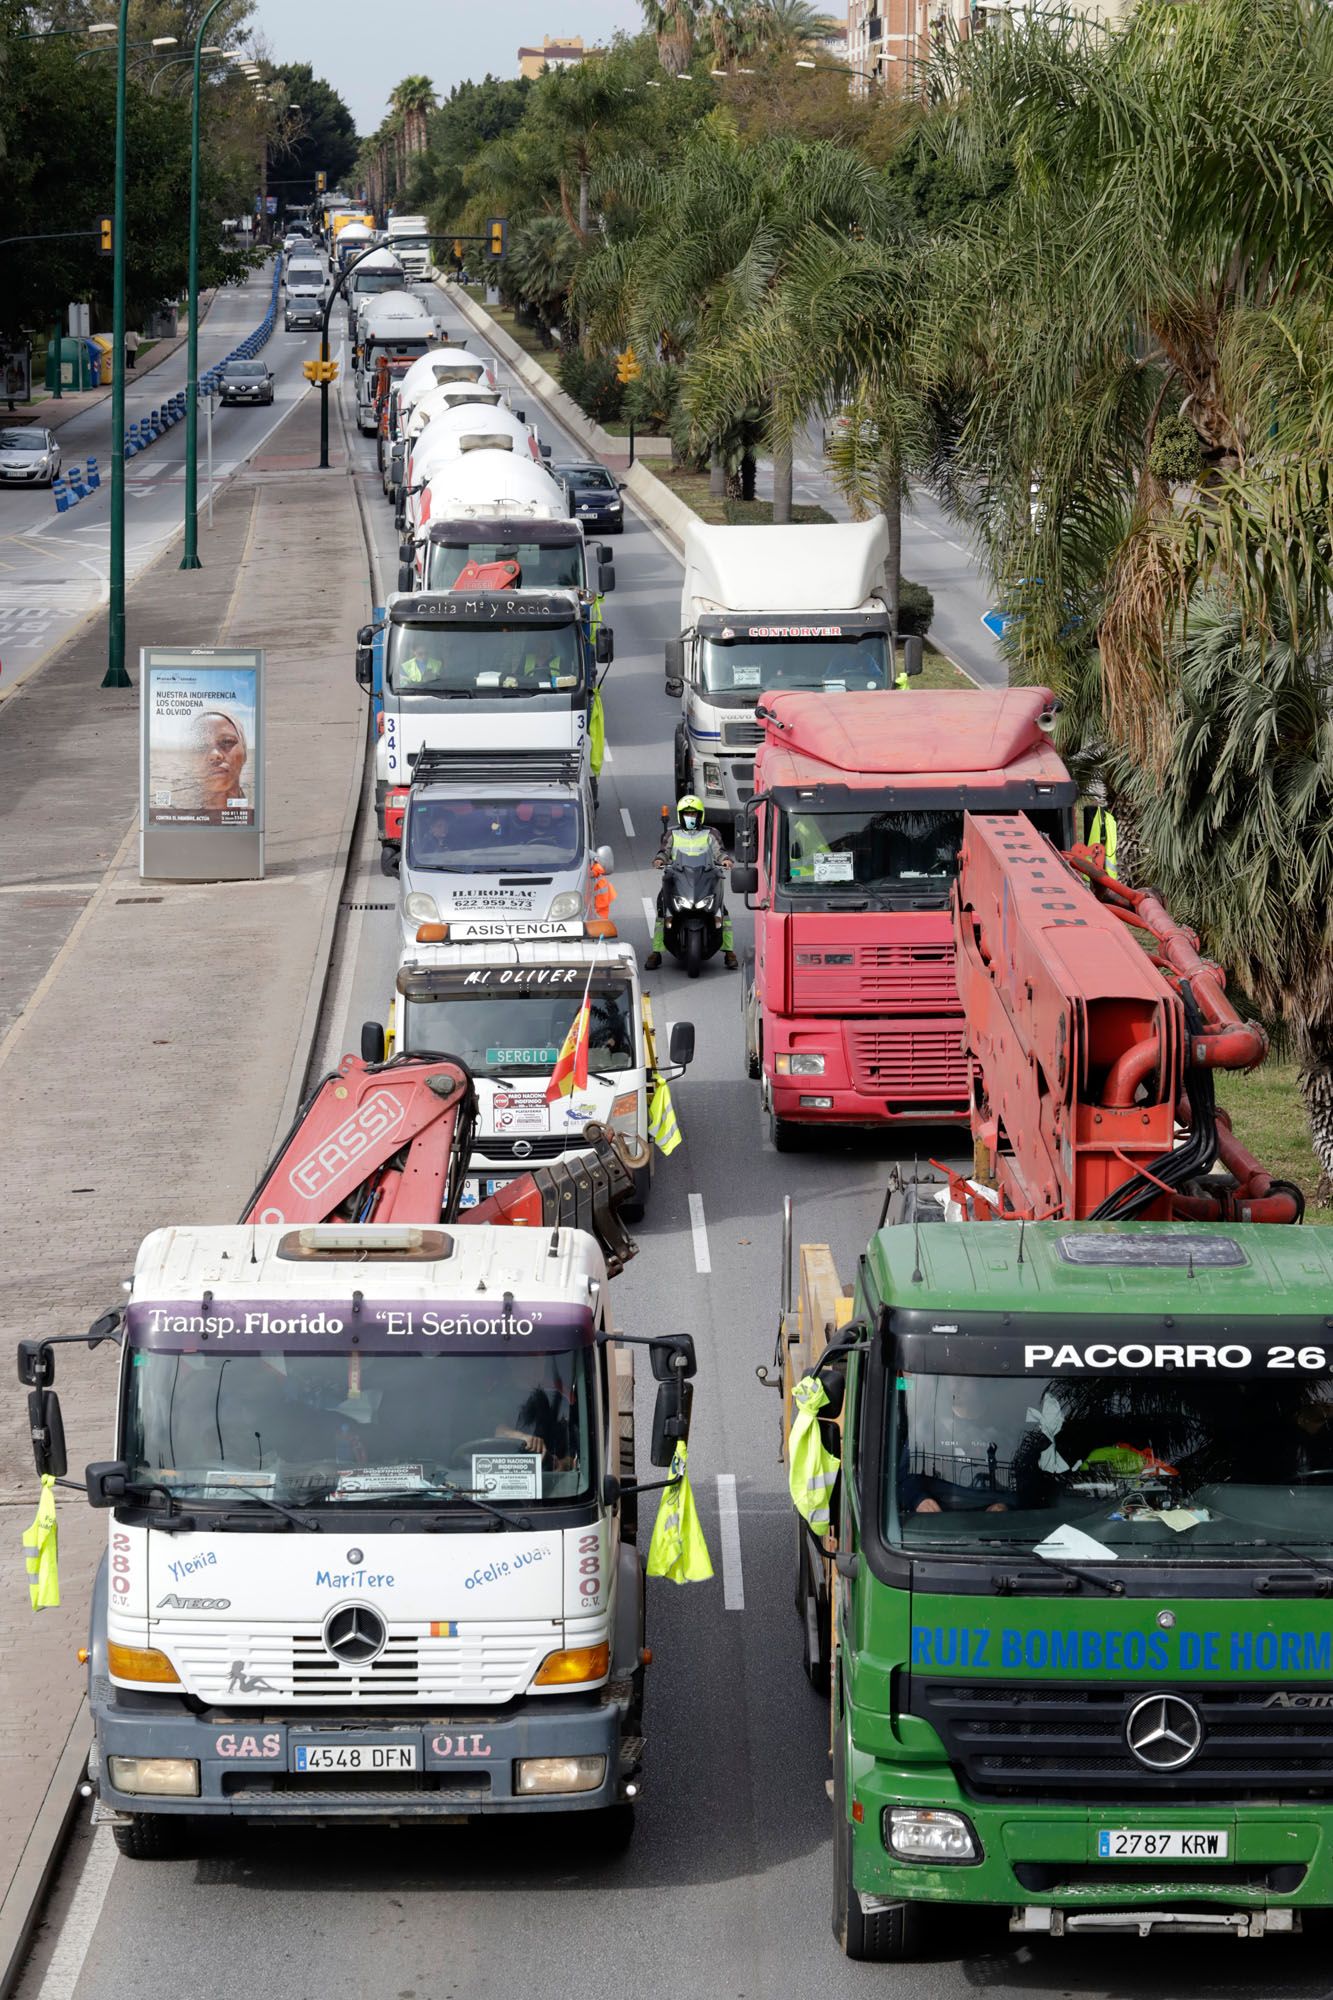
764 609
519 525
499 995
408 237
371 1551
395 324
467 670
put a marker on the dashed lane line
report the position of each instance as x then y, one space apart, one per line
729 1537
627 822
703 1263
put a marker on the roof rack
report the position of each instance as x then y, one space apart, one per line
491 767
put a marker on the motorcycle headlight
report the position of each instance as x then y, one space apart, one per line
568 903
422 908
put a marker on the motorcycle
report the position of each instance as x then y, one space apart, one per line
692 904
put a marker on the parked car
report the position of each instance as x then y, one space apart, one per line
594 495
29 457
245 382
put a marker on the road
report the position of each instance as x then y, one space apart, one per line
726 1889
53 567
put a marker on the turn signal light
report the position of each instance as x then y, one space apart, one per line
140 1663
432 933
600 927
576 1664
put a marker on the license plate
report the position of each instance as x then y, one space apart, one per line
354 1757
475 1190
1159 1844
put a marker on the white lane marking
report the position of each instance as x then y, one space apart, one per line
81 1920
703 1263
607 757
729 1535
627 822
649 913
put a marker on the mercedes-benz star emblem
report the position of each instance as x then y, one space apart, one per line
355 1556
355 1634
1164 1731
522 1149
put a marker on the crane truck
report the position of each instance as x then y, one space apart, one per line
847 853
1063 1453
372 1514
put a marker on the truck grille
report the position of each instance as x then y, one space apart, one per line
741 735
834 973
910 1063
489 1663
1062 1741
540 1146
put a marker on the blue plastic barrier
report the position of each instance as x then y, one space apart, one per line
93 476
61 495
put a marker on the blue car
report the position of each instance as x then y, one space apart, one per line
594 495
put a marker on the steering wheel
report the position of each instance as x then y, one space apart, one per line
498 1446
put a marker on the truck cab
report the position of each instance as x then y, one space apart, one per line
551 555
848 854
375 274
409 239
465 669
764 609
499 993
393 324
371 1550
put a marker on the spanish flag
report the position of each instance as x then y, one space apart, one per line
571 1065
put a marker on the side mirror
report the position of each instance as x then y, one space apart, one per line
743 841
407 548
680 1050
744 878
105 1481
606 577
37 1364
607 859
675 666
605 646
372 1041
914 654
405 576
396 457
603 552
48 1433
522 416
545 450
365 667
671 1419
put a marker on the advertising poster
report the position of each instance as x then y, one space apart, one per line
15 376
202 763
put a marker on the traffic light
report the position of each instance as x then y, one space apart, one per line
105 236
320 371
498 231
628 367
321 182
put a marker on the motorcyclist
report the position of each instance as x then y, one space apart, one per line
688 837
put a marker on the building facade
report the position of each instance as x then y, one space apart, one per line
556 52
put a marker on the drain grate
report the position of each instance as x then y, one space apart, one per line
367 906
138 899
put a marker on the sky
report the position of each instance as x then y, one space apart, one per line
364 50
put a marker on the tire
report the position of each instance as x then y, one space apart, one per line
886 1937
786 1137
154 1837
612 1831
692 957
635 1208
814 1629
389 858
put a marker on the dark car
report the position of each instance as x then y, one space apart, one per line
594 495
303 309
245 382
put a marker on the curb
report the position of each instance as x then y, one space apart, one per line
32 1878
162 351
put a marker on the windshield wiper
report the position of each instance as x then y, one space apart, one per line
1324 1570
473 1499
1007 1586
251 1493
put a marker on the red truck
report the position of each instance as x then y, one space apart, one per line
847 853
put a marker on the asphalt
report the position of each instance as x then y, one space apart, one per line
726 1889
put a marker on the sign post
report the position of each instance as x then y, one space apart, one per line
201 764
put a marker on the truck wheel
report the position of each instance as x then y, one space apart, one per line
886 1936
681 763
390 857
813 1617
786 1137
634 1209
693 955
154 1837
612 1830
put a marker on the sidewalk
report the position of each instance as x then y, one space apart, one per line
53 411
153 1033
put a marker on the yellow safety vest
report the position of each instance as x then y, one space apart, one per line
901 681
678 1549
596 733
811 1467
1102 833
41 1541
662 1127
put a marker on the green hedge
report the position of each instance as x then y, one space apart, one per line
916 608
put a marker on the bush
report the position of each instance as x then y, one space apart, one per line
652 399
591 380
916 608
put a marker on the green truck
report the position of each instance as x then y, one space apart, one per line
1074 1601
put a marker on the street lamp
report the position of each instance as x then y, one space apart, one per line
190 558
115 675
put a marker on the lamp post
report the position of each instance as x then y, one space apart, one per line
115 675
190 559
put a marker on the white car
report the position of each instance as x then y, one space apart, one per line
29 457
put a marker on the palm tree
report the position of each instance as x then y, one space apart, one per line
413 100
674 23
1238 829
540 265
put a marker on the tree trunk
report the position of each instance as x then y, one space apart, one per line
1315 1082
747 475
891 499
782 482
583 202
717 477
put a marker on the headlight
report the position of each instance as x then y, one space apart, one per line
568 903
712 777
558 1774
799 1063
624 1113
157 1777
422 908
916 1834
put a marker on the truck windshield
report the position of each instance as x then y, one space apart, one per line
498 1031
559 568
1151 1468
364 283
492 661
481 836
748 667
335 1429
890 853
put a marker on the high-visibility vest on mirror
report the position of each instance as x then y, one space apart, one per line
662 1127
41 1541
1102 833
678 1549
811 1467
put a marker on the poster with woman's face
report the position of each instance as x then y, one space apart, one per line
201 745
